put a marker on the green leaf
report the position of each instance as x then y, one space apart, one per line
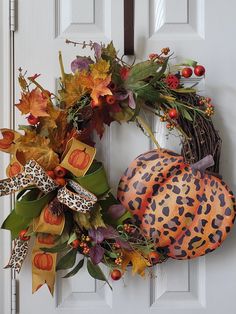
140 72
68 260
186 115
125 216
111 254
185 90
16 223
56 249
96 272
146 92
96 219
189 62
72 237
160 73
75 270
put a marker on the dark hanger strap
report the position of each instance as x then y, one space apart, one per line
129 27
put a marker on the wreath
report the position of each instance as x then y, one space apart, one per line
167 206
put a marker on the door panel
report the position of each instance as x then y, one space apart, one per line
191 29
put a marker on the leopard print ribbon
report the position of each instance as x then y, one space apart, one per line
33 174
81 201
18 255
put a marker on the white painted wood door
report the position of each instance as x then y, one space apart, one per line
197 29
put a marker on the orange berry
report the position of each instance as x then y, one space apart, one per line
154 257
60 181
95 104
110 99
22 235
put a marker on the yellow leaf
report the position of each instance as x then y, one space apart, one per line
34 102
82 219
75 86
139 263
100 69
33 146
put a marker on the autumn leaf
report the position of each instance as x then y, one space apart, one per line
48 124
99 119
33 146
60 135
139 263
75 86
109 51
34 102
100 69
99 88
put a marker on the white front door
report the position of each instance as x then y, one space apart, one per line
196 29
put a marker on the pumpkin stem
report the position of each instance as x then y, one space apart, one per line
203 164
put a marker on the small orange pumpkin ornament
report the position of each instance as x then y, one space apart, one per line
79 159
186 212
43 261
51 218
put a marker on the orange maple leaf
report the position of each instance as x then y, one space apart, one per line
34 102
99 88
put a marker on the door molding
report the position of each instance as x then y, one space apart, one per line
6 121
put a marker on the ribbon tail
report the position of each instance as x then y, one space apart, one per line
43 264
18 255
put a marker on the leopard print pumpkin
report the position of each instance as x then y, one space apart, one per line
188 215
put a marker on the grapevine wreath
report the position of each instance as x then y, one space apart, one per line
167 205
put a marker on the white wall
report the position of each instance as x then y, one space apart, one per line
5 275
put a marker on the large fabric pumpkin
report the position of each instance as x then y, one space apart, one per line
187 213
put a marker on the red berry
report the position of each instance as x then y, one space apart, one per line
199 70
75 244
172 81
116 274
60 172
32 119
154 257
110 99
22 235
173 113
153 56
187 72
124 73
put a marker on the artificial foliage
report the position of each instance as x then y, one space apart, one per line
64 202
